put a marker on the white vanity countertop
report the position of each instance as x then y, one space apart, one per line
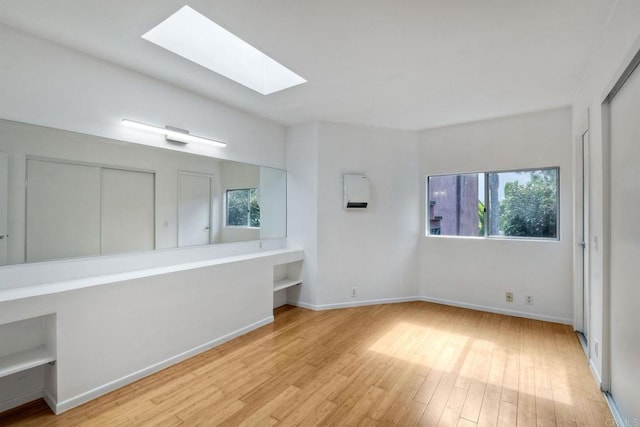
9 290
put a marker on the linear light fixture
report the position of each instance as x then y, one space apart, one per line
195 37
172 133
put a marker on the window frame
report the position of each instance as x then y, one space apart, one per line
487 207
226 208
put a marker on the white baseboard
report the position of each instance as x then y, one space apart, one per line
515 313
595 373
302 305
534 316
20 400
51 401
350 304
67 404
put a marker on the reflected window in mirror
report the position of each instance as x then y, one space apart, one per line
243 208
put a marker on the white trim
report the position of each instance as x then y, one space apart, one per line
605 348
302 305
20 400
582 231
50 400
620 72
534 316
72 402
617 416
594 372
333 306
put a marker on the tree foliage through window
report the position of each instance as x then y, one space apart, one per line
243 208
531 209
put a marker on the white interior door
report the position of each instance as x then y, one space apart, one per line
128 211
4 207
63 210
194 209
624 349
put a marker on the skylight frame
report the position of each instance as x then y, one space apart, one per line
195 37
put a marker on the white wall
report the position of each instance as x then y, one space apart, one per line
478 272
47 84
619 42
302 206
372 249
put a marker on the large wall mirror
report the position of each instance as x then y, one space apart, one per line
65 195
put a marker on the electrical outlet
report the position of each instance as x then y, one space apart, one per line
354 292
529 300
509 297
595 348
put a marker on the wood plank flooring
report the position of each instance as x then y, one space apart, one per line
397 364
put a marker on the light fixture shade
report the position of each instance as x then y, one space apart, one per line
173 134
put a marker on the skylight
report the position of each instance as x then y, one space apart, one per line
197 38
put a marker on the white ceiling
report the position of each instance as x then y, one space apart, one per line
406 64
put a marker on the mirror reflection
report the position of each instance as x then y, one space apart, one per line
64 194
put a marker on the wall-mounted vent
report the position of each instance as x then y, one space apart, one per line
356 191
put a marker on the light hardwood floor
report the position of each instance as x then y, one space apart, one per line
397 364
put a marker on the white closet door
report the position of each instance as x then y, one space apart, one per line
4 206
63 210
625 247
194 209
128 211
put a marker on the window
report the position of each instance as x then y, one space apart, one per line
243 208
454 201
499 204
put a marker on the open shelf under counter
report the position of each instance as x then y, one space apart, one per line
23 360
286 276
285 283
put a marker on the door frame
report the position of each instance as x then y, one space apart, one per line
581 223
